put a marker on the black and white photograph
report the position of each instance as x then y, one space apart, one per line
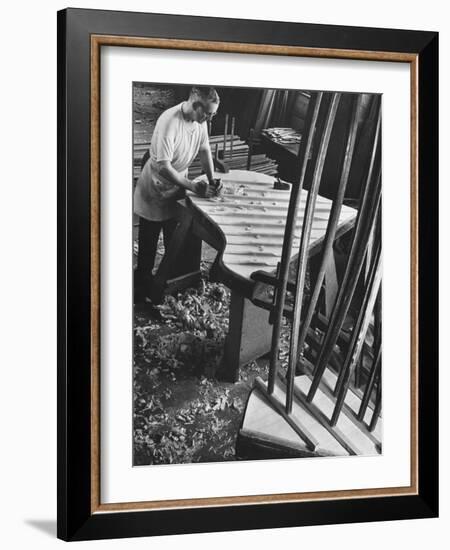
225 281
257 319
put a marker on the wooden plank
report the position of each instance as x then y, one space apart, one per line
248 337
358 333
347 430
377 410
351 404
259 196
366 216
304 154
256 262
309 216
250 149
337 212
242 220
233 122
246 219
374 374
259 210
255 445
322 418
294 419
255 240
254 248
225 135
183 281
263 418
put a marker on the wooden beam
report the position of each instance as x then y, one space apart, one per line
295 423
358 334
330 235
304 155
250 149
374 374
225 136
308 218
365 220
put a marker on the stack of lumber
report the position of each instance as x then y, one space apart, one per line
282 135
139 150
236 153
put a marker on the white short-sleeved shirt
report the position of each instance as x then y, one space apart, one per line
178 141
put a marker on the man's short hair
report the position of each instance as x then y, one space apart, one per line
205 94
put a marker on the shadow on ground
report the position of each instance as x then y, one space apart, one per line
47 526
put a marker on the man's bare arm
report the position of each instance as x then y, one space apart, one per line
169 172
207 163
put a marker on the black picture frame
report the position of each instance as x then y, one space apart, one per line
79 517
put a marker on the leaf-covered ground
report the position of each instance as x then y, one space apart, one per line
181 412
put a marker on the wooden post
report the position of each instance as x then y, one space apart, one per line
304 154
358 337
304 244
225 130
250 149
377 409
233 121
363 227
249 336
327 269
373 376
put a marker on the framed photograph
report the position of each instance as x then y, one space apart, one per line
247 285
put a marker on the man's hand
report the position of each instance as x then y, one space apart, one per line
202 189
216 184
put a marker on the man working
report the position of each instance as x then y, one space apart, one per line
180 134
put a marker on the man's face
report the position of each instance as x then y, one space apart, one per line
205 111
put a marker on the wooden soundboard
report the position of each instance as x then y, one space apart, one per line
252 216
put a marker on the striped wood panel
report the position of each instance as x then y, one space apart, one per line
253 222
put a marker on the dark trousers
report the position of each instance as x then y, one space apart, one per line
149 232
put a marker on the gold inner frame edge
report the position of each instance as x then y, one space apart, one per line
97 41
